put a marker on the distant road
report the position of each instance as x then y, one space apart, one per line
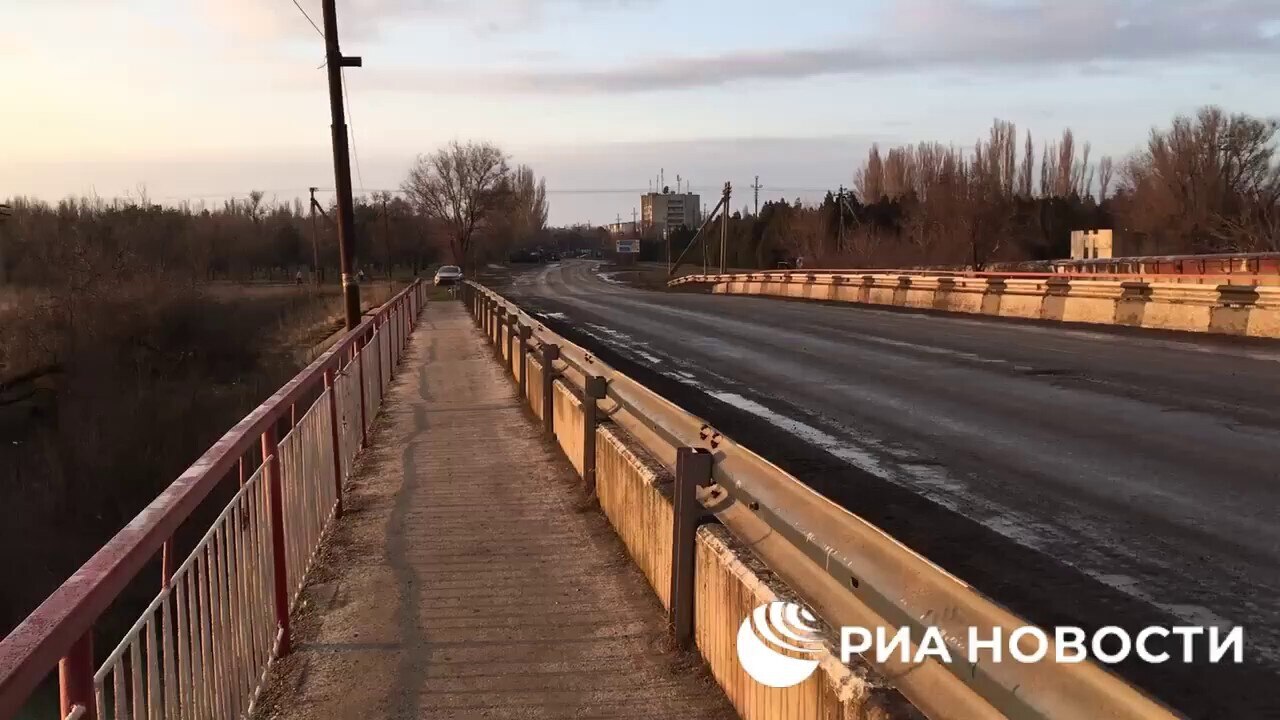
1078 476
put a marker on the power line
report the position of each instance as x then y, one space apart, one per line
351 127
308 17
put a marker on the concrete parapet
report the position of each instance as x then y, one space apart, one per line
1225 309
567 409
635 494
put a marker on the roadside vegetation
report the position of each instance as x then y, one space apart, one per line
1208 183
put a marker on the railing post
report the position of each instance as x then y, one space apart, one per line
359 360
275 499
693 470
377 351
592 393
513 322
166 563
526 332
550 353
331 387
75 678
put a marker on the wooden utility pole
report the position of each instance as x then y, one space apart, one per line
724 226
334 62
386 235
840 209
315 241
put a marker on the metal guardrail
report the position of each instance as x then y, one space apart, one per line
849 570
203 646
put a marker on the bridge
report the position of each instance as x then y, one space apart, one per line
467 509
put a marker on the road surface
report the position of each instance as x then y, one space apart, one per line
1078 476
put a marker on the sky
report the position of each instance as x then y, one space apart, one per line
203 101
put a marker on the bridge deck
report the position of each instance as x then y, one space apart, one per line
469 578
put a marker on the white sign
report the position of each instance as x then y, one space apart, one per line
629 246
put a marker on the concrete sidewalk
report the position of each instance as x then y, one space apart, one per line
470 578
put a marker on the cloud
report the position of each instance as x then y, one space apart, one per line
924 34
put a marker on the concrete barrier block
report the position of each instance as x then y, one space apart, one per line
1230 310
568 423
634 493
533 387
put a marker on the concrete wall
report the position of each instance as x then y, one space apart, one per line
533 386
1225 309
634 492
568 423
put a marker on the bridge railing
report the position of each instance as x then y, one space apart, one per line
202 647
851 572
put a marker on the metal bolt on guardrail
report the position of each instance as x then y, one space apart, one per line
693 470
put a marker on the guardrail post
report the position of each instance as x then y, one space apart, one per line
693 470
75 678
592 393
526 332
275 500
334 436
499 314
513 321
550 353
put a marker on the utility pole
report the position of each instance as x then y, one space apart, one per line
334 62
756 187
6 211
386 235
840 209
315 240
724 226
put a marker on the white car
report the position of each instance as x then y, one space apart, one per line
448 275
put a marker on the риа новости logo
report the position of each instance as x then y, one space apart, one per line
776 643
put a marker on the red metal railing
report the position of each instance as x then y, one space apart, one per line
203 645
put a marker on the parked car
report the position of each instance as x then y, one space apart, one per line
448 275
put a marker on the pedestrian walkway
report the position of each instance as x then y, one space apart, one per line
469 577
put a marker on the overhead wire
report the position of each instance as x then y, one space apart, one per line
308 17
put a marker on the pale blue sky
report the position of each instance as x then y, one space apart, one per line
210 99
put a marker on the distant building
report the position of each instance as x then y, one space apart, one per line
665 211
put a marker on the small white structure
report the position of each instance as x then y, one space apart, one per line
1091 244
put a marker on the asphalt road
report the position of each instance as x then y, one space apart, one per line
1078 476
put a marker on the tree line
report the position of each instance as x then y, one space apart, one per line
1206 183
462 203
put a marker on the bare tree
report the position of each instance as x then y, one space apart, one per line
1106 170
1206 184
1026 175
463 186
